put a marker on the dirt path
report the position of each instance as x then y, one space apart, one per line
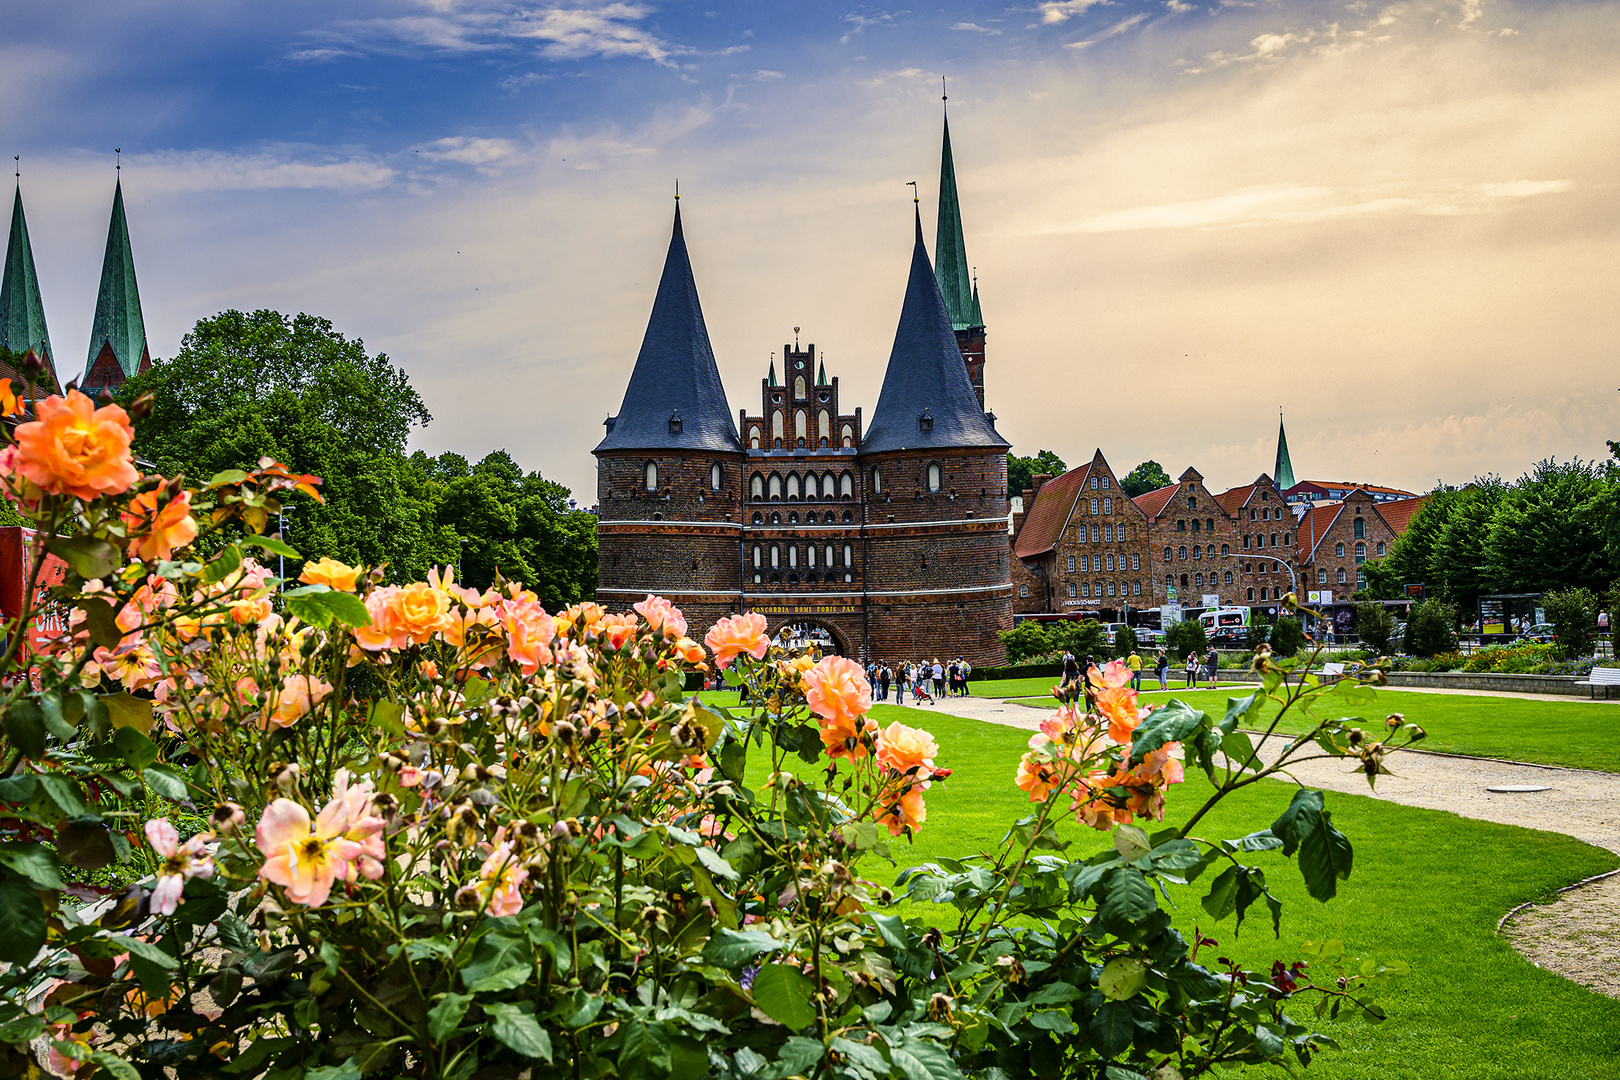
1576 934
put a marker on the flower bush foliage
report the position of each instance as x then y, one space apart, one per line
424 830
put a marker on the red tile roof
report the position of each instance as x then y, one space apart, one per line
1398 513
1044 521
1154 502
1231 500
1351 485
1313 527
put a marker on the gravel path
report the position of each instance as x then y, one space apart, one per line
1577 934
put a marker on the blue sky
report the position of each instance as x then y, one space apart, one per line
1397 220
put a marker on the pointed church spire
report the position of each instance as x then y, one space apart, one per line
22 314
950 250
675 400
118 331
1283 474
927 399
772 380
977 315
821 376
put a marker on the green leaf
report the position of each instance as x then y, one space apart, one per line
137 750
715 864
506 979
227 476
1303 815
579 1008
115 1065
389 715
22 920
1238 748
50 707
146 951
164 780
349 1070
236 934
275 545
1236 708
35 862
225 564
102 623
1128 897
63 792
798 1054
1221 900
784 994
1324 858
319 605
733 948
733 758
25 727
496 952
1176 722
87 556
1131 843
520 1031
17 789
646 1052
129 711
86 842
1112 1028
445 1017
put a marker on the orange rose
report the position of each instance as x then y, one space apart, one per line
155 533
529 633
77 449
1118 707
836 690
905 814
331 573
903 749
616 631
8 401
384 631
738 634
250 611
420 610
1036 776
663 616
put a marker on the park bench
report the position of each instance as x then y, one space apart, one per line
1332 672
1605 677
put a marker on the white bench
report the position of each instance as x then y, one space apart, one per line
1605 677
1332 672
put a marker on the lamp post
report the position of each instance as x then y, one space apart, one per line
1287 564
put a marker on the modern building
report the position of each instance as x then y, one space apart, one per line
885 539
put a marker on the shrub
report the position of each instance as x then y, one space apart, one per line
1026 641
1376 626
1431 628
1286 636
1124 642
1186 637
1082 639
1573 613
529 853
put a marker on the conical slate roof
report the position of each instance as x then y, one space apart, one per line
118 321
22 314
675 400
1284 472
950 251
927 399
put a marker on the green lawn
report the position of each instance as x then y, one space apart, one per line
1428 888
1577 733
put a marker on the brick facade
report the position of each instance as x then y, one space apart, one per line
1335 539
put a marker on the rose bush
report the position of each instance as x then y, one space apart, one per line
415 829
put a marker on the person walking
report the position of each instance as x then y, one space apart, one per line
939 678
1162 670
1071 670
1212 664
1191 671
1134 662
885 677
901 678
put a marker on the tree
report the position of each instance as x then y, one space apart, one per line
1124 642
1146 477
1573 613
515 523
1431 628
1549 530
1186 637
1286 636
1081 639
1021 471
1027 641
248 385
1411 557
1457 564
1376 626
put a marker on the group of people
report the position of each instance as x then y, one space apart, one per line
918 676
1207 666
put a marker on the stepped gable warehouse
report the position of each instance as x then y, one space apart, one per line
886 541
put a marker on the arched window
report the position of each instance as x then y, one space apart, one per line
1361 554
1136 588
1183 581
829 486
846 486
801 424
753 438
1093 483
824 424
849 557
1198 552
1094 534
1338 550
1380 549
1225 550
1071 564
1166 554
798 388
756 556
793 485
1361 528
776 519
756 487
775 489
1108 506
1168 581
1136 561
1209 524
1085 563
1226 578
1110 562
1251 594
933 476
776 423
829 554
1273 539
758 518
1321 576
793 556
1192 503
776 556
1023 592
1181 553
1093 506
1361 579
1181 525
810 556
1246 540
848 436
1108 533
650 477
715 476
1073 588
793 517
1288 539
877 482
1199 579
1105 482
1341 575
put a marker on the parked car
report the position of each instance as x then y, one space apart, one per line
1230 637
1146 635
1541 632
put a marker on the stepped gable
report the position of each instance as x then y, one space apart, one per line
118 349
1152 503
927 400
1398 514
22 313
1046 519
675 400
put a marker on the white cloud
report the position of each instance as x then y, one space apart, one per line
297 167
1118 28
468 150
513 83
974 27
562 32
862 19
310 56
766 75
1178 7
1056 11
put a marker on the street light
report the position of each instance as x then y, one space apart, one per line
1293 582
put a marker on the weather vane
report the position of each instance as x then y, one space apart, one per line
913 184
943 96
795 339
677 189
118 161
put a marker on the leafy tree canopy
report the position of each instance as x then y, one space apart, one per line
1021 471
1146 477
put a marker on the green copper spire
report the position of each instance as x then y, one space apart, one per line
118 324
1284 472
773 372
950 252
821 377
978 316
22 315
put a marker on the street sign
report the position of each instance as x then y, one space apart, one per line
1169 614
1414 590
1170 593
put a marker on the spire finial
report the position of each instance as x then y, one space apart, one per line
16 166
118 159
677 189
943 96
795 339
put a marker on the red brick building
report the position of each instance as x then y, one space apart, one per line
1081 547
888 539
